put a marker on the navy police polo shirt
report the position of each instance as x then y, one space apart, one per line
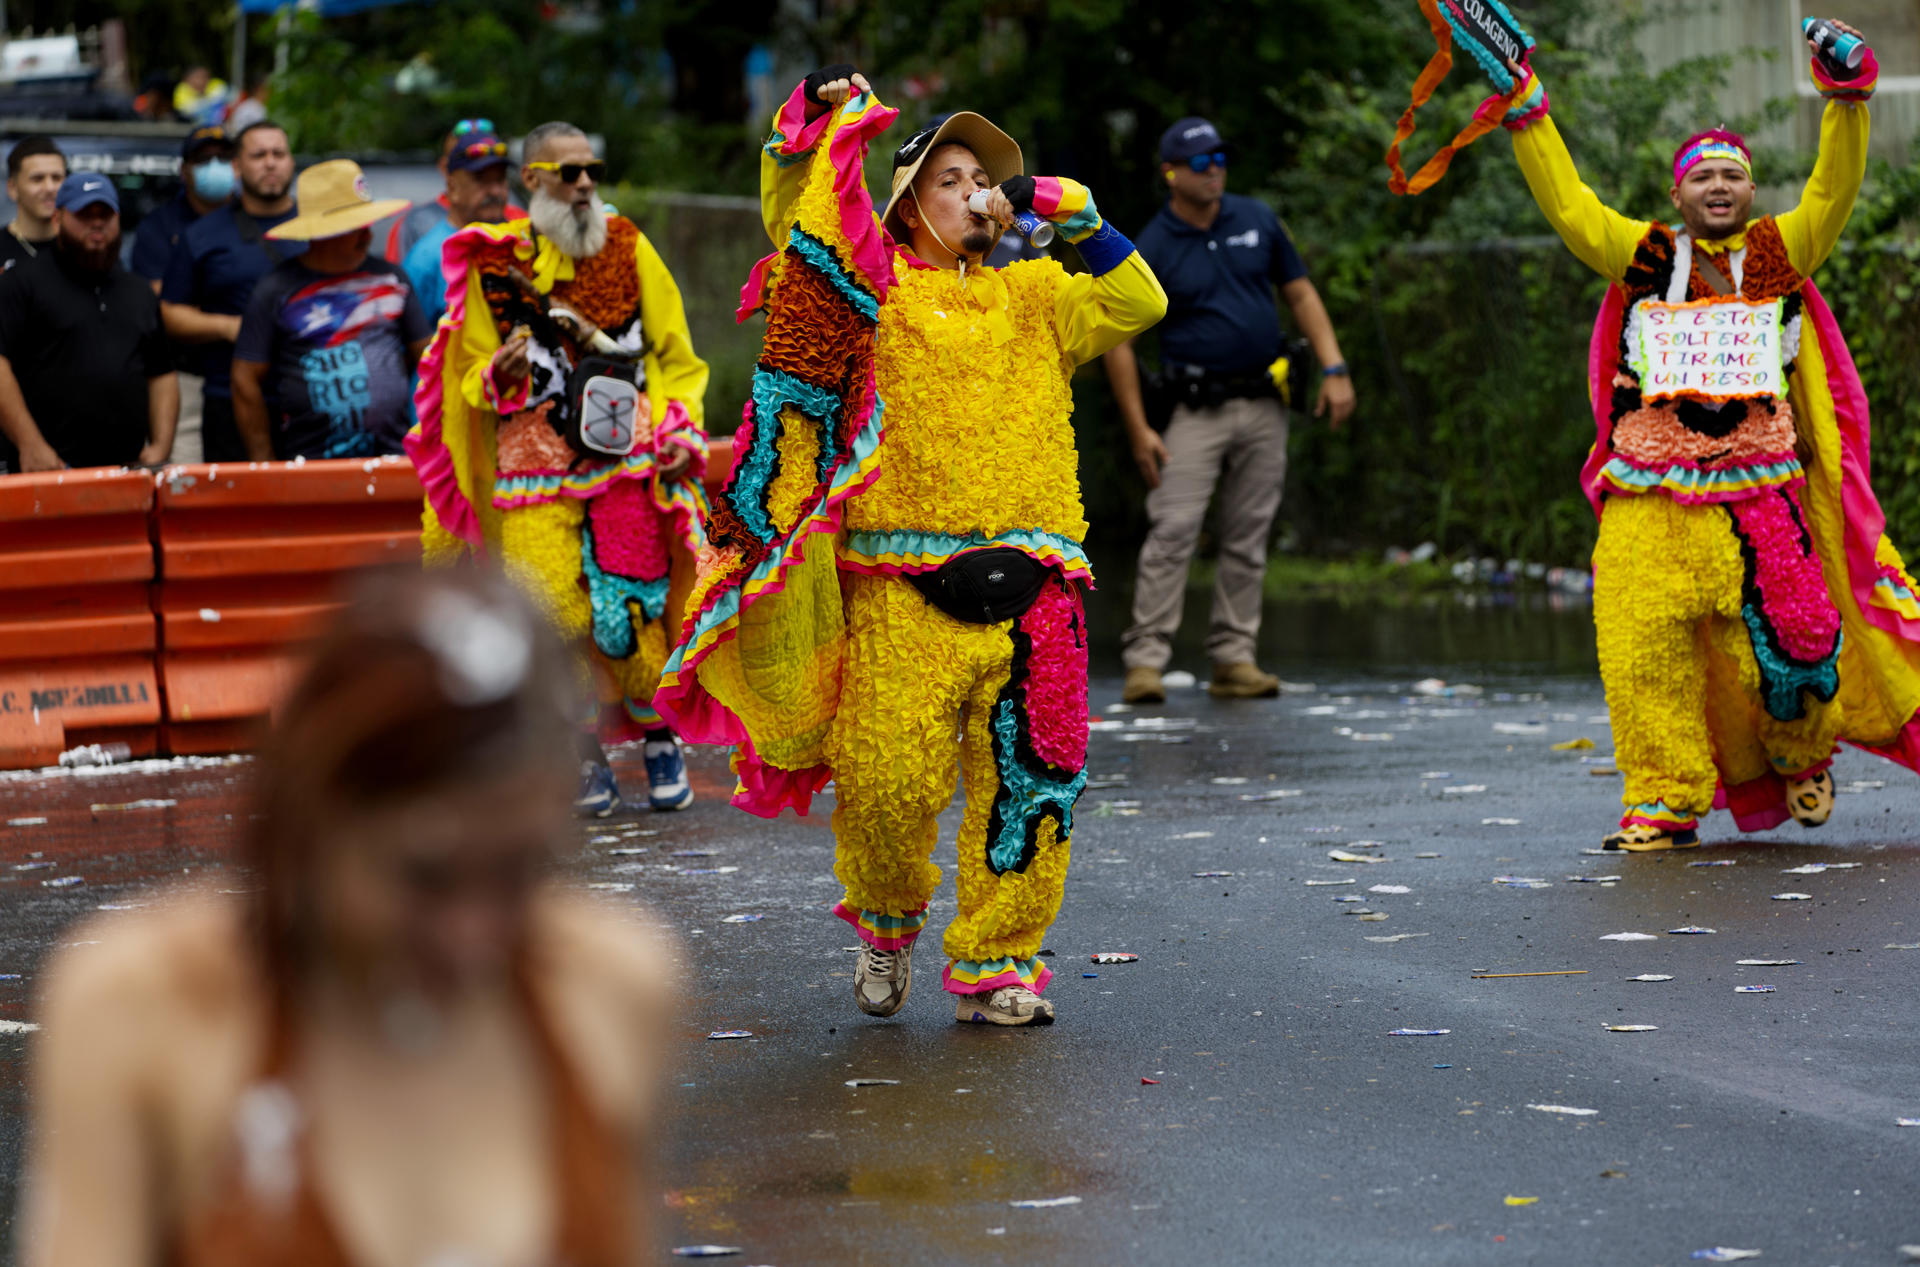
1220 283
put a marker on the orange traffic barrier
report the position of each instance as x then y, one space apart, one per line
251 560
76 625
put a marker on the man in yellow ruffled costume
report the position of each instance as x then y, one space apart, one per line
1749 608
561 434
935 624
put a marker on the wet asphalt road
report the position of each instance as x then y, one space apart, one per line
1286 1124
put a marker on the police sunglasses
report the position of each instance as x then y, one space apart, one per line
1203 163
571 172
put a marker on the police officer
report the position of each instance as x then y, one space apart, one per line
1220 257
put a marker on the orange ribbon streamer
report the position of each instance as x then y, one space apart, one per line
1485 119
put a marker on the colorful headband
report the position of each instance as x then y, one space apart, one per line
1716 144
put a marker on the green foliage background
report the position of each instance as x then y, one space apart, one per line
1466 325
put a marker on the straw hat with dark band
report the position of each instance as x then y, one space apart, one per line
997 152
332 199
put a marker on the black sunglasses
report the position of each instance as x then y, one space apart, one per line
570 173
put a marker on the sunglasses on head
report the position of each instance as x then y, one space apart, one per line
485 149
571 172
472 125
1207 162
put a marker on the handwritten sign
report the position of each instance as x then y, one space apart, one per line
1715 349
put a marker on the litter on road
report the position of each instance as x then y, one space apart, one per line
1389 888
730 1033
1574 745
1276 794
1766 963
1691 930
1793 897
1522 882
149 803
1557 972
1398 937
1721 1254
1417 1033
63 882
1593 879
26 822
1715 862
17 1027
1521 1200
873 1082
1651 976
1633 1029
742 919
706 1251
1115 956
1341 855
1628 937
1499 822
1753 989
1567 1110
1322 884
1213 875
1044 1203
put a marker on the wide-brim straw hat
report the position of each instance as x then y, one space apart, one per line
997 152
331 199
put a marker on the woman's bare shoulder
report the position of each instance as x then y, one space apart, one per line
181 947
609 972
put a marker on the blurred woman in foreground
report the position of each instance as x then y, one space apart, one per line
402 1048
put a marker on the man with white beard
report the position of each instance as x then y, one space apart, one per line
534 450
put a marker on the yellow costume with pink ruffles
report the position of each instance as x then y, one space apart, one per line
808 647
604 545
1750 611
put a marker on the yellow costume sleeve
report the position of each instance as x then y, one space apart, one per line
1813 228
673 371
1602 238
1095 315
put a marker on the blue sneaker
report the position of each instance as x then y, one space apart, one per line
667 775
599 795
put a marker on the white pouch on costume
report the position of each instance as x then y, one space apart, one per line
609 416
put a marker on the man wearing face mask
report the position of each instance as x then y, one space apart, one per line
206 183
953 507
210 278
561 432
338 330
476 194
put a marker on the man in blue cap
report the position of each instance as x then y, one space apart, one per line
476 167
86 379
1221 257
206 182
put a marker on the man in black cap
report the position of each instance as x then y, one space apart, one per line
1221 257
86 379
206 182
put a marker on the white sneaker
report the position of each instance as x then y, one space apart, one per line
1009 1005
881 979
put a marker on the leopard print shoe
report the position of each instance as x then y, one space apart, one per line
1810 800
1643 839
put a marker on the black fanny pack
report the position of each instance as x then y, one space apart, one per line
983 587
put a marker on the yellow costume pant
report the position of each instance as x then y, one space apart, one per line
1677 658
925 695
541 546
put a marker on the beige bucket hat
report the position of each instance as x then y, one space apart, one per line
332 199
997 152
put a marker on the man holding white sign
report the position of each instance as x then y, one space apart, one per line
1750 610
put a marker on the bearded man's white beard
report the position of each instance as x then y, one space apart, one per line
557 221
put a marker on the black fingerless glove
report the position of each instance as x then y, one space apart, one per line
821 78
1019 192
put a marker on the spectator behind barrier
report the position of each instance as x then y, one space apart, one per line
35 168
206 182
331 339
210 279
476 192
428 216
87 379
200 98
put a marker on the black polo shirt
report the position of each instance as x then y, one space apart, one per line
1220 284
83 348
14 251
